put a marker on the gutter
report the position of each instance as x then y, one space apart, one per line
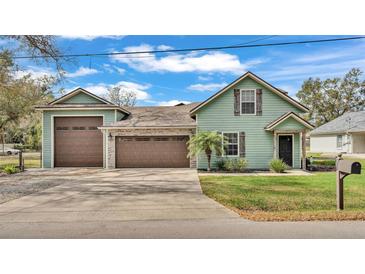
146 127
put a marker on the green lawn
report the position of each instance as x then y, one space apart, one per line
31 160
288 197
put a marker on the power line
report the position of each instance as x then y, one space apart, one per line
256 40
192 49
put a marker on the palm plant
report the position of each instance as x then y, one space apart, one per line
207 142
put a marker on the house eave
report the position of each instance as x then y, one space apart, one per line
259 80
275 123
82 108
147 127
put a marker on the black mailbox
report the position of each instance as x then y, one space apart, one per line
344 168
349 167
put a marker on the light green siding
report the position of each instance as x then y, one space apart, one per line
290 124
120 115
82 98
109 117
218 115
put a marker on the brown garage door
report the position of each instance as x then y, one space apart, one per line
156 151
78 142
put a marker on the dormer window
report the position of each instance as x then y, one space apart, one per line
248 101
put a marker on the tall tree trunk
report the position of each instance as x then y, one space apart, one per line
3 141
208 157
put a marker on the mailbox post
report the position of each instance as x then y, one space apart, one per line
343 169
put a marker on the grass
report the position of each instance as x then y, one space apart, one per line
31 160
288 198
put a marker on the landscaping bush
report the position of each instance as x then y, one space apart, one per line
220 164
278 165
228 165
241 164
324 162
235 165
10 169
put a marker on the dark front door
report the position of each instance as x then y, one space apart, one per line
286 149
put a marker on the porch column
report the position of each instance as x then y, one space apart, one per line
275 146
304 154
110 150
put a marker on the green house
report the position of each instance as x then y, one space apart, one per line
260 122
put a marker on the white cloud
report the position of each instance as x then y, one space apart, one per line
172 103
111 69
334 54
204 78
292 72
140 90
108 68
35 72
319 57
192 62
82 71
120 70
91 37
207 87
164 47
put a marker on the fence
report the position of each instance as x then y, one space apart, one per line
23 160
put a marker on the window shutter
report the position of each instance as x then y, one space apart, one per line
242 144
259 102
219 154
236 93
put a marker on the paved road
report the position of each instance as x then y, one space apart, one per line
140 203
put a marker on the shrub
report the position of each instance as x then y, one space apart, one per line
241 164
278 165
228 165
220 164
235 165
10 169
324 162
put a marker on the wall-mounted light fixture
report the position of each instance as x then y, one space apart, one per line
110 136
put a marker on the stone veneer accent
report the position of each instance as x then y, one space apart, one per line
144 132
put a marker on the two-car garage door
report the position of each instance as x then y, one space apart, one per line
152 151
78 142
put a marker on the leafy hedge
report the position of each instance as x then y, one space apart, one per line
324 162
232 165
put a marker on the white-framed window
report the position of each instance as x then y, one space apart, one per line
339 141
248 101
230 147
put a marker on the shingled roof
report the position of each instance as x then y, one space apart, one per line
349 122
166 116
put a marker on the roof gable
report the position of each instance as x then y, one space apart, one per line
348 122
80 96
286 119
254 77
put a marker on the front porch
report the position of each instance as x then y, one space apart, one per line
289 134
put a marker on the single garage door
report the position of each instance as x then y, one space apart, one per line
78 142
156 151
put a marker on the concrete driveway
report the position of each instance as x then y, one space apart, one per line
139 203
97 195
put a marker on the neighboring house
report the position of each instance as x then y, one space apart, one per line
260 121
344 134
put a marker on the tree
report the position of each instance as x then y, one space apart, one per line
331 98
40 45
19 94
207 142
121 96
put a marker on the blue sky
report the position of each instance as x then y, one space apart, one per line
165 79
